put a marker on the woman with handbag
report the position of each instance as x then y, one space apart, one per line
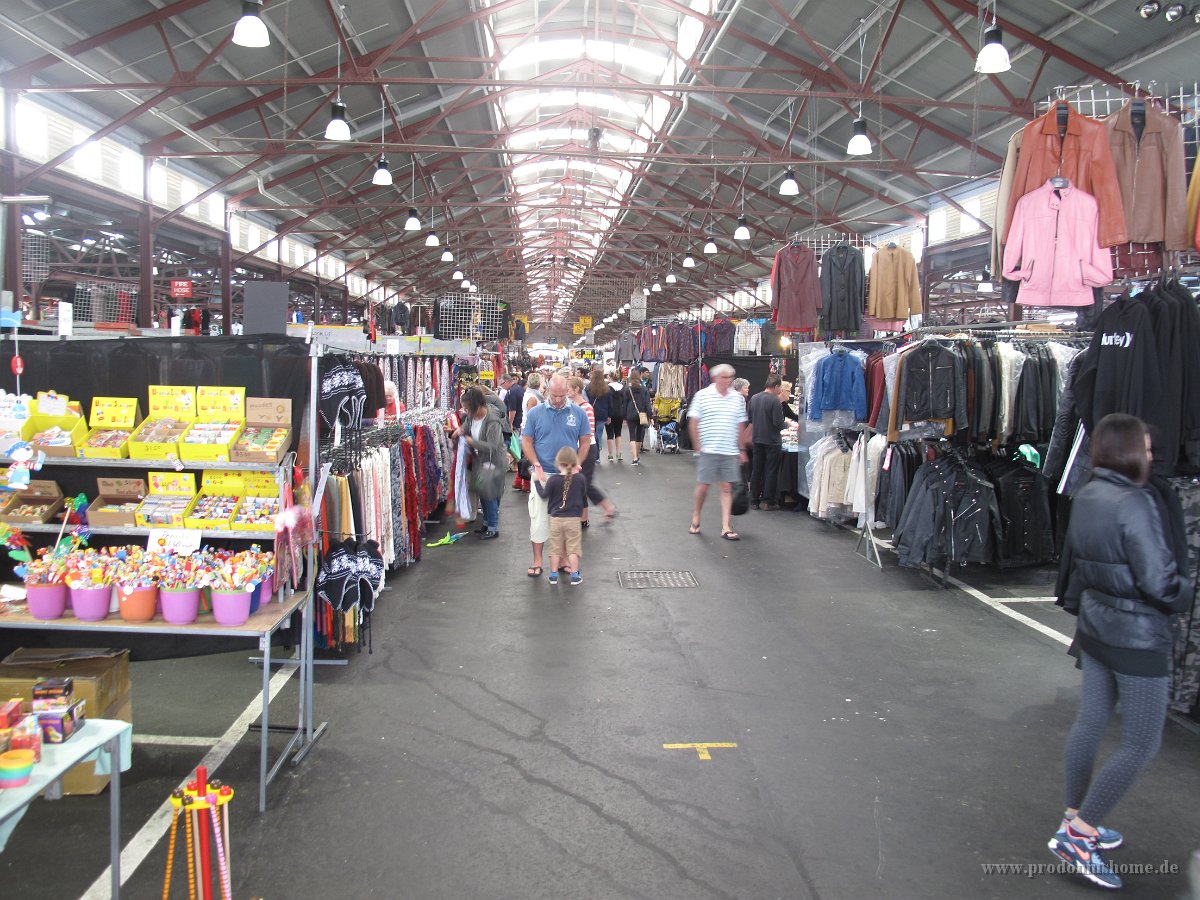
484 434
1121 576
637 415
616 415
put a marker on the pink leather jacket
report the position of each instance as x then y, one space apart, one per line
1052 248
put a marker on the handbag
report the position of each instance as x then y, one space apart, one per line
741 499
514 445
643 419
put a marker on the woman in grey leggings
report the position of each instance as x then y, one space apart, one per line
1123 580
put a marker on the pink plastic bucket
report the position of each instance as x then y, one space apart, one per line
46 601
231 608
180 607
91 604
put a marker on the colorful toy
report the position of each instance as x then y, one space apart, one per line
192 802
24 461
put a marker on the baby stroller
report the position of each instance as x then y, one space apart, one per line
668 438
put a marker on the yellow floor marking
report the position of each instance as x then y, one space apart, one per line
701 749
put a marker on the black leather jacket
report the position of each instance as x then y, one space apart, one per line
934 385
1122 569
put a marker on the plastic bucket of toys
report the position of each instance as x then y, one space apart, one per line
137 604
91 604
46 601
231 608
180 607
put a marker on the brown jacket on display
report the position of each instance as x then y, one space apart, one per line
1193 207
895 287
1083 157
795 289
1152 175
1003 192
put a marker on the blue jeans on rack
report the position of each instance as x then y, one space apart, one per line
491 513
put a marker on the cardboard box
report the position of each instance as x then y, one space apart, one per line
52 410
215 405
45 495
172 409
114 418
179 485
260 504
116 492
101 678
219 485
258 442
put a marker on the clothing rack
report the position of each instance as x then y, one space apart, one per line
866 547
819 243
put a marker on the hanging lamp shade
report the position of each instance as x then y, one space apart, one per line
646 291
337 129
742 232
671 279
993 57
860 142
431 239
413 222
458 275
1149 9
789 187
474 289
383 175
447 256
710 247
689 261
251 30
656 287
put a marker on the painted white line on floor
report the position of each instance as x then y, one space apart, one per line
171 740
151 833
1011 613
1027 599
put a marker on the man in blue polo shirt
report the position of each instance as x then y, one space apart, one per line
549 427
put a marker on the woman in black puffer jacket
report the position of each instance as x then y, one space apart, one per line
1121 576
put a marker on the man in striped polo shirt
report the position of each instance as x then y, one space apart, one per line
717 423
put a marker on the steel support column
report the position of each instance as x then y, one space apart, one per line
145 306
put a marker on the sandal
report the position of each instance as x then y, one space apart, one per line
695 529
583 523
534 571
731 535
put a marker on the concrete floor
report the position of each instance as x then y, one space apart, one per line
505 739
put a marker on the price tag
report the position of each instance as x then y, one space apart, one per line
392 346
337 434
66 319
51 405
887 459
180 540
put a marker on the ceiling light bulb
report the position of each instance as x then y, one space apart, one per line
337 129
474 289
860 143
993 57
458 275
413 222
742 232
710 247
789 187
447 256
250 30
671 279
689 261
383 175
466 284
431 239
646 291
656 287
1149 9
1174 12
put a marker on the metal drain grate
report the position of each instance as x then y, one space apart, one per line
657 579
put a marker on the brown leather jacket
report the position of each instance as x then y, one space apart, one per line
1152 175
1083 156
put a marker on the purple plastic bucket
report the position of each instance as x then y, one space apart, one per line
231 608
46 601
180 607
91 604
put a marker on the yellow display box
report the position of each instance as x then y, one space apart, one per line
260 503
172 410
218 499
168 501
52 410
214 406
112 422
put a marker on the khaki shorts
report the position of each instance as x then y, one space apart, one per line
539 518
566 538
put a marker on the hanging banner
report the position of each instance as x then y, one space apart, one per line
578 328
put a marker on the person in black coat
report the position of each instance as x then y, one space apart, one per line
1122 579
637 401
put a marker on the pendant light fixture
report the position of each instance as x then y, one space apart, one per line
250 30
413 222
1174 12
431 239
447 255
689 261
466 284
671 279
993 57
1149 9
710 247
860 143
656 287
646 291
338 129
789 187
458 275
383 175
474 289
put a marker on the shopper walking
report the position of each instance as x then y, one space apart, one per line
531 396
597 393
637 416
616 415
483 431
565 495
549 427
1120 574
766 421
588 462
717 423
